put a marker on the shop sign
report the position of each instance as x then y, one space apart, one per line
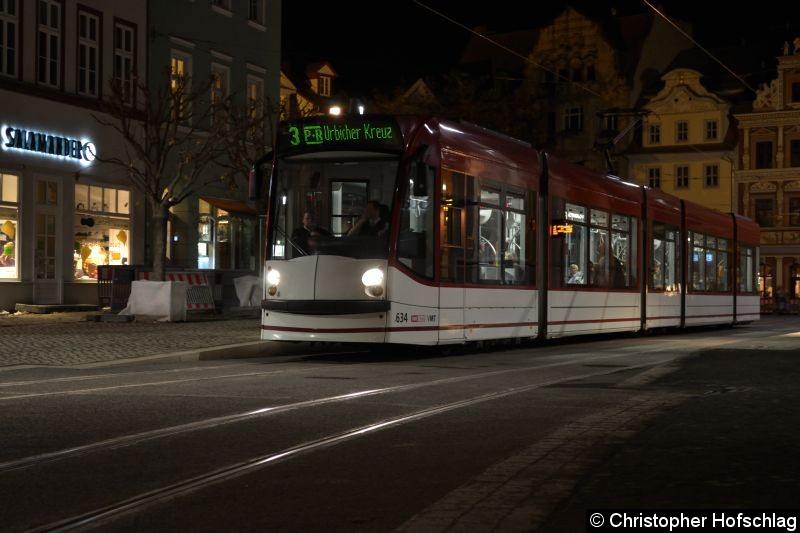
47 144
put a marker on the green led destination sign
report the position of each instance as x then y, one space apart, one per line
361 133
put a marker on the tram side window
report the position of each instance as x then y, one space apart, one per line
518 249
746 274
723 278
415 246
623 250
664 258
452 221
503 246
574 235
598 247
490 231
709 265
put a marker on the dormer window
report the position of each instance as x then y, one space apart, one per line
324 85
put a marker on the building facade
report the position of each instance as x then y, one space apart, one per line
583 76
687 143
768 179
62 213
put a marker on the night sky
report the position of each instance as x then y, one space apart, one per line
378 44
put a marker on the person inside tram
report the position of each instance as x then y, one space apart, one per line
304 235
575 275
373 222
603 274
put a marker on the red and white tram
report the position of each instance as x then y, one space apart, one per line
419 230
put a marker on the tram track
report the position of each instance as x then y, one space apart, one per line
232 471
214 422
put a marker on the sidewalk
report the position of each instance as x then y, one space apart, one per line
69 339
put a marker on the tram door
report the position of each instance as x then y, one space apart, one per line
452 248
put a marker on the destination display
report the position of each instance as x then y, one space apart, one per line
323 133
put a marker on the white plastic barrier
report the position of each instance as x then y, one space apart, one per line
248 290
165 300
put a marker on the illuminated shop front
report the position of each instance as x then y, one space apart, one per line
102 229
9 222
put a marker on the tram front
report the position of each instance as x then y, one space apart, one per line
330 198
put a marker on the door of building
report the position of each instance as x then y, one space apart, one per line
47 275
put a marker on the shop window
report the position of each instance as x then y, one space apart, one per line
9 224
225 240
102 229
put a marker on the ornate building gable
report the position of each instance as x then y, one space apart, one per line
683 93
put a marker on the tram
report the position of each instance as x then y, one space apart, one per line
418 230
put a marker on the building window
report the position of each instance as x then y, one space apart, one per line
9 24
88 53
711 175
180 80
573 119
9 222
220 82
654 133
610 122
682 177
102 229
764 154
682 131
48 64
222 4
124 49
764 211
654 177
711 130
324 85
796 91
794 153
255 96
256 11
794 211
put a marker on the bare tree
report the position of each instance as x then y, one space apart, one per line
251 134
169 146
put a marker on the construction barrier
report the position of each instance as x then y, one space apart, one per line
200 294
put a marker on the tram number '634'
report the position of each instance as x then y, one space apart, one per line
401 318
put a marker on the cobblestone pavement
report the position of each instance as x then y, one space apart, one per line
68 339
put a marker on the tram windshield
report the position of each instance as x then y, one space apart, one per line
333 203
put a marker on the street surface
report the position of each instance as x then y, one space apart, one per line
515 439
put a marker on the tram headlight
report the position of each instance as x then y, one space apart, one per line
273 278
373 282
